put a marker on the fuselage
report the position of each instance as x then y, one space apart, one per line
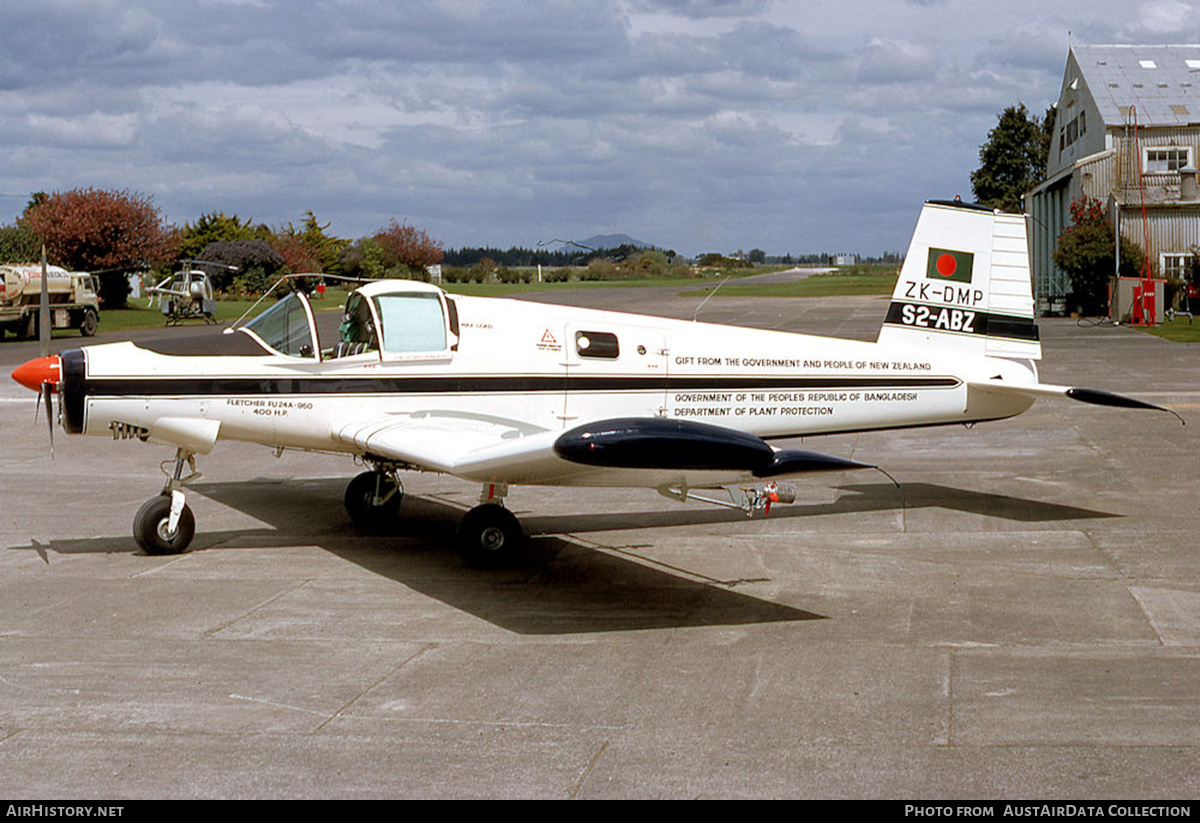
505 392
540 368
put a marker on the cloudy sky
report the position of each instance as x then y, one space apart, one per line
697 125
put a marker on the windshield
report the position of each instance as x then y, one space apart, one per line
285 327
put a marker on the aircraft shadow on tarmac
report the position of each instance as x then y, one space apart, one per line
561 585
864 498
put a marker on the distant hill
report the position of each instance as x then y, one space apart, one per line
612 241
556 253
605 241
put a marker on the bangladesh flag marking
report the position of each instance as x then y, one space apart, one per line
945 264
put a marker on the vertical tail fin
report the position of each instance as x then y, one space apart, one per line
965 285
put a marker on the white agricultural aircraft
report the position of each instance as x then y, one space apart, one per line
505 392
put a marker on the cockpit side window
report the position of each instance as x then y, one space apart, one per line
411 322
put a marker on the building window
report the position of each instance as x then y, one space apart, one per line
1168 158
1072 131
1174 266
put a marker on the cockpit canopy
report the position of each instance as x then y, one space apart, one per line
285 328
389 320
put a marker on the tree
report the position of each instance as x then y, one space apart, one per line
408 247
91 230
296 255
1013 160
258 265
645 263
325 248
1085 252
18 245
309 248
216 227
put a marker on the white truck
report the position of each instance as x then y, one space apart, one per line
74 300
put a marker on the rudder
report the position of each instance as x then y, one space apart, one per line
965 284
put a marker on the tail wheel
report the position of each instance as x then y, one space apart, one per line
489 536
373 499
150 527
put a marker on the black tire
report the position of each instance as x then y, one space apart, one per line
373 499
90 321
150 527
489 536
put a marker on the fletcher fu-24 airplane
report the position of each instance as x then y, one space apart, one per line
505 392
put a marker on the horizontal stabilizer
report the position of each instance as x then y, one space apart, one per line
1094 396
1104 398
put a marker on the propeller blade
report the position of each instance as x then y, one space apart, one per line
44 309
48 395
42 374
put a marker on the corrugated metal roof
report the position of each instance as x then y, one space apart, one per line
1163 82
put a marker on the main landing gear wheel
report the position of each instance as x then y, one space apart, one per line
489 536
151 527
373 499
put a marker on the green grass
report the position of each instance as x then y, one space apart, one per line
138 316
1178 330
817 285
506 289
679 276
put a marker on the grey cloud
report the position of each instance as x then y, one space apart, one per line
695 124
703 9
893 60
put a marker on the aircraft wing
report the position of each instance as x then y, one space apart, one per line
1093 396
470 446
494 449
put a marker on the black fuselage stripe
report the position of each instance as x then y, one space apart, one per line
246 386
941 318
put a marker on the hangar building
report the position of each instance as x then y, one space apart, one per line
1127 132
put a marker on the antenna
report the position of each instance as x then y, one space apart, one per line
706 299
